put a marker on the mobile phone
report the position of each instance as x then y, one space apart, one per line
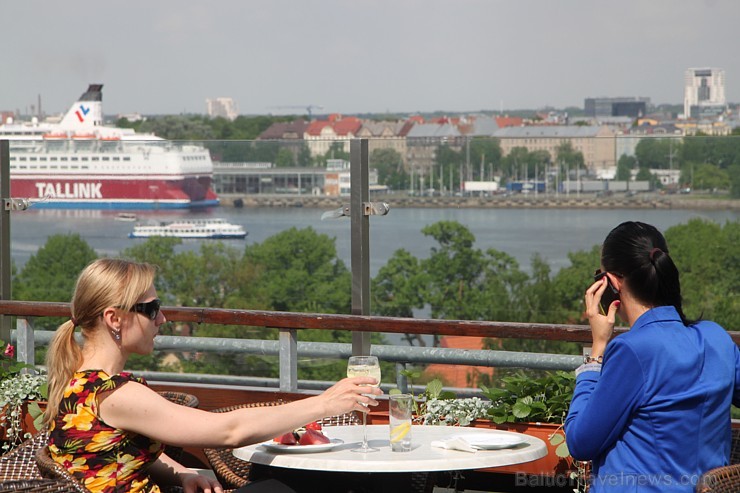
609 295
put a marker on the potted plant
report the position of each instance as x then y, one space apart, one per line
538 407
20 393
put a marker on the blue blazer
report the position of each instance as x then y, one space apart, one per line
656 415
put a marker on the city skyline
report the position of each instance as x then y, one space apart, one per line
348 57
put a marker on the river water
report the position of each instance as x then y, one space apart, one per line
521 233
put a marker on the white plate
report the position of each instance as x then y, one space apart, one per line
302 449
486 441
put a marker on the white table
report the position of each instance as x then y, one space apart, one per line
422 457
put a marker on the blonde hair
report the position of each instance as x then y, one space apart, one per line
102 284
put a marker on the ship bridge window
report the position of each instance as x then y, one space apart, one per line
21 159
54 166
53 158
63 158
84 159
116 158
95 158
106 158
74 158
42 158
75 166
32 158
126 158
22 166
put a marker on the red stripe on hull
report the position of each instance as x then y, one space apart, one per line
191 189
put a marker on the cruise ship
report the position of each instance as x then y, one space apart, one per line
191 228
79 163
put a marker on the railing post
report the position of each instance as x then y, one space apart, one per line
5 236
360 240
25 341
288 356
402 382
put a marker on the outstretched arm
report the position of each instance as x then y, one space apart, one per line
137 408
167 471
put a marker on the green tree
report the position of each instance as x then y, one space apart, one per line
709 266
709 177
485 156
391 172
453 272
284 158
568 157
625 165
734 174
50 274
656 153
299 272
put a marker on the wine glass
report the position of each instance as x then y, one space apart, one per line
364 366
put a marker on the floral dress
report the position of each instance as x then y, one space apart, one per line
104 459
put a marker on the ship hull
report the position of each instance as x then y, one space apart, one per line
121 193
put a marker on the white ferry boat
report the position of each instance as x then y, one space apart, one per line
191 228
79 163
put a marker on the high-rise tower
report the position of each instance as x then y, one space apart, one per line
704 93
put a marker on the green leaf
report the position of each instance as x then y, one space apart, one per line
556 439
434 388
562 450
521 410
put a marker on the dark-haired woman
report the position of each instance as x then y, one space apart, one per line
651 407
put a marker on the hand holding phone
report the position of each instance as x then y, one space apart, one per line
610 294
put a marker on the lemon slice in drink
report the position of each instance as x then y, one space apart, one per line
400 431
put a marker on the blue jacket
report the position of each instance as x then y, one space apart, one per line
657 414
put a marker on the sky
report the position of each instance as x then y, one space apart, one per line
370 56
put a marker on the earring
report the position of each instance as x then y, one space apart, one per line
117 335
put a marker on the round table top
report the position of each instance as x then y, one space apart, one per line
421 457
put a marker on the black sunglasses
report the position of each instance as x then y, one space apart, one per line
150 308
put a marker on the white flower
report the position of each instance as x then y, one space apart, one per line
14 391
455 412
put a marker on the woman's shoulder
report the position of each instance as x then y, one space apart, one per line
100 378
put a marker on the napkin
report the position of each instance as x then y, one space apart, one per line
456 443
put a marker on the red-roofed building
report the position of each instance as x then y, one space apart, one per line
321 134
509 121
457 375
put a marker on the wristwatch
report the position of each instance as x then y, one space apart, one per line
589 359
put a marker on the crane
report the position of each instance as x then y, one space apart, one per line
309 108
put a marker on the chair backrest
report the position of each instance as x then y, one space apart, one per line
35 486
183 399
53 470
20 462
720 480
232 472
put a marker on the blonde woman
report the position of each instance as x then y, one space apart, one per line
108 428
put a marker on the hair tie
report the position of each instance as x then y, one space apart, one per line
74 321
653 252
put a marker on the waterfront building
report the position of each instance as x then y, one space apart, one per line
321 134
704 93
289 135
596 143
255 178
386 135
423 140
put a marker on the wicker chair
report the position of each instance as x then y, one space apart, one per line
184 399
234 473
53 470
720 480
35 486
19 463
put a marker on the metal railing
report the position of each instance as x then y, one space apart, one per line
288 348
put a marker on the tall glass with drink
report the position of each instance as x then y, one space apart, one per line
364 366
400 407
